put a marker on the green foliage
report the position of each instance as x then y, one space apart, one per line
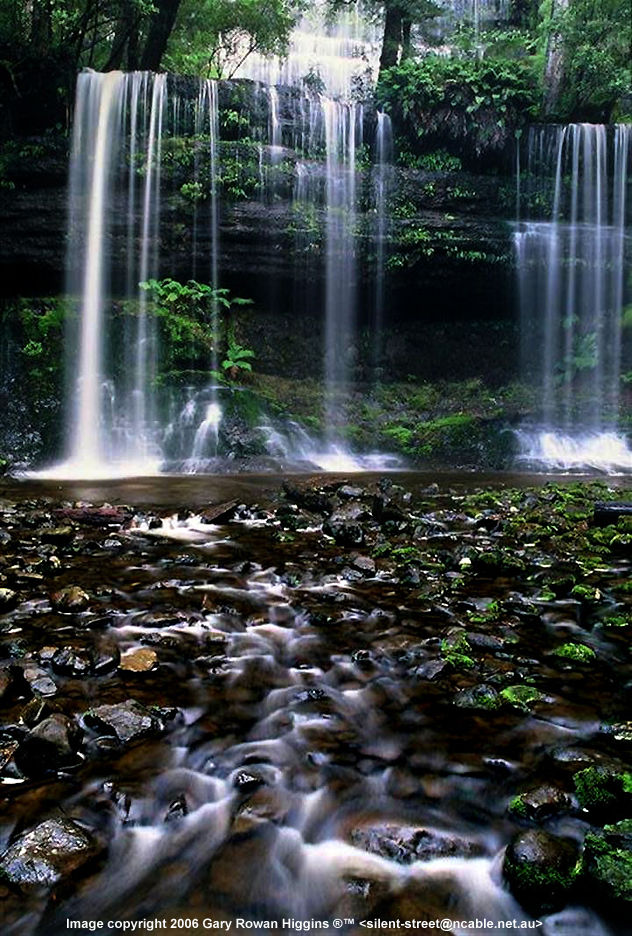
193 191
213 37
608 861
42 325
191 317
402 435
517 806
456 651
238 357
436 161
596 38
478 99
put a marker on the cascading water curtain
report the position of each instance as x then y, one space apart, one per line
571 271
121 124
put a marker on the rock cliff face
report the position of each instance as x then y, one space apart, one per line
448 253
448 267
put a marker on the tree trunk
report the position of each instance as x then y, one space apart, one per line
133 47
406 44
125 24
41 26
160 28
392 41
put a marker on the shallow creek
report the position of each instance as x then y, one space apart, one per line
303 747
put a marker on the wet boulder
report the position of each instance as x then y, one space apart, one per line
70 599
58 536
313 501
8 599
406 844
38 681
345 529
540 870
126 722
138 661
481 698
52 745
539 804
604 793
389 506
47 854
69 661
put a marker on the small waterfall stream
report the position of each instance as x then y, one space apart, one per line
121 122
572 292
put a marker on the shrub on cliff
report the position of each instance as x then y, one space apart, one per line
471 106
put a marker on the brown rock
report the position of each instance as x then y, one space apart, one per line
139 661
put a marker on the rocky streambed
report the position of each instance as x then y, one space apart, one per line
356 700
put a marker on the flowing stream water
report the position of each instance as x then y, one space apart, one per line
299 754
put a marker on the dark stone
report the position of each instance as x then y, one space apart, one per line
50 746
106 657
344 532
406 844
8 600
70 662
70 599
387 508
246 781
127 722
39 681
540 804
432 670
348 492
219 513
178 809
364 564
314 501
540 870
481 698
60 536
47 854
607 512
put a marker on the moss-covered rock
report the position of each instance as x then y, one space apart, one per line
521 697
603 792
576 653
607 862
540 870
539 804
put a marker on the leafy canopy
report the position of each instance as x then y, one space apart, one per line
213 38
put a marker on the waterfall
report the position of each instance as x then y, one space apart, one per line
97 128
142 409
382 181
572 290
133 133
340 302
121 122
